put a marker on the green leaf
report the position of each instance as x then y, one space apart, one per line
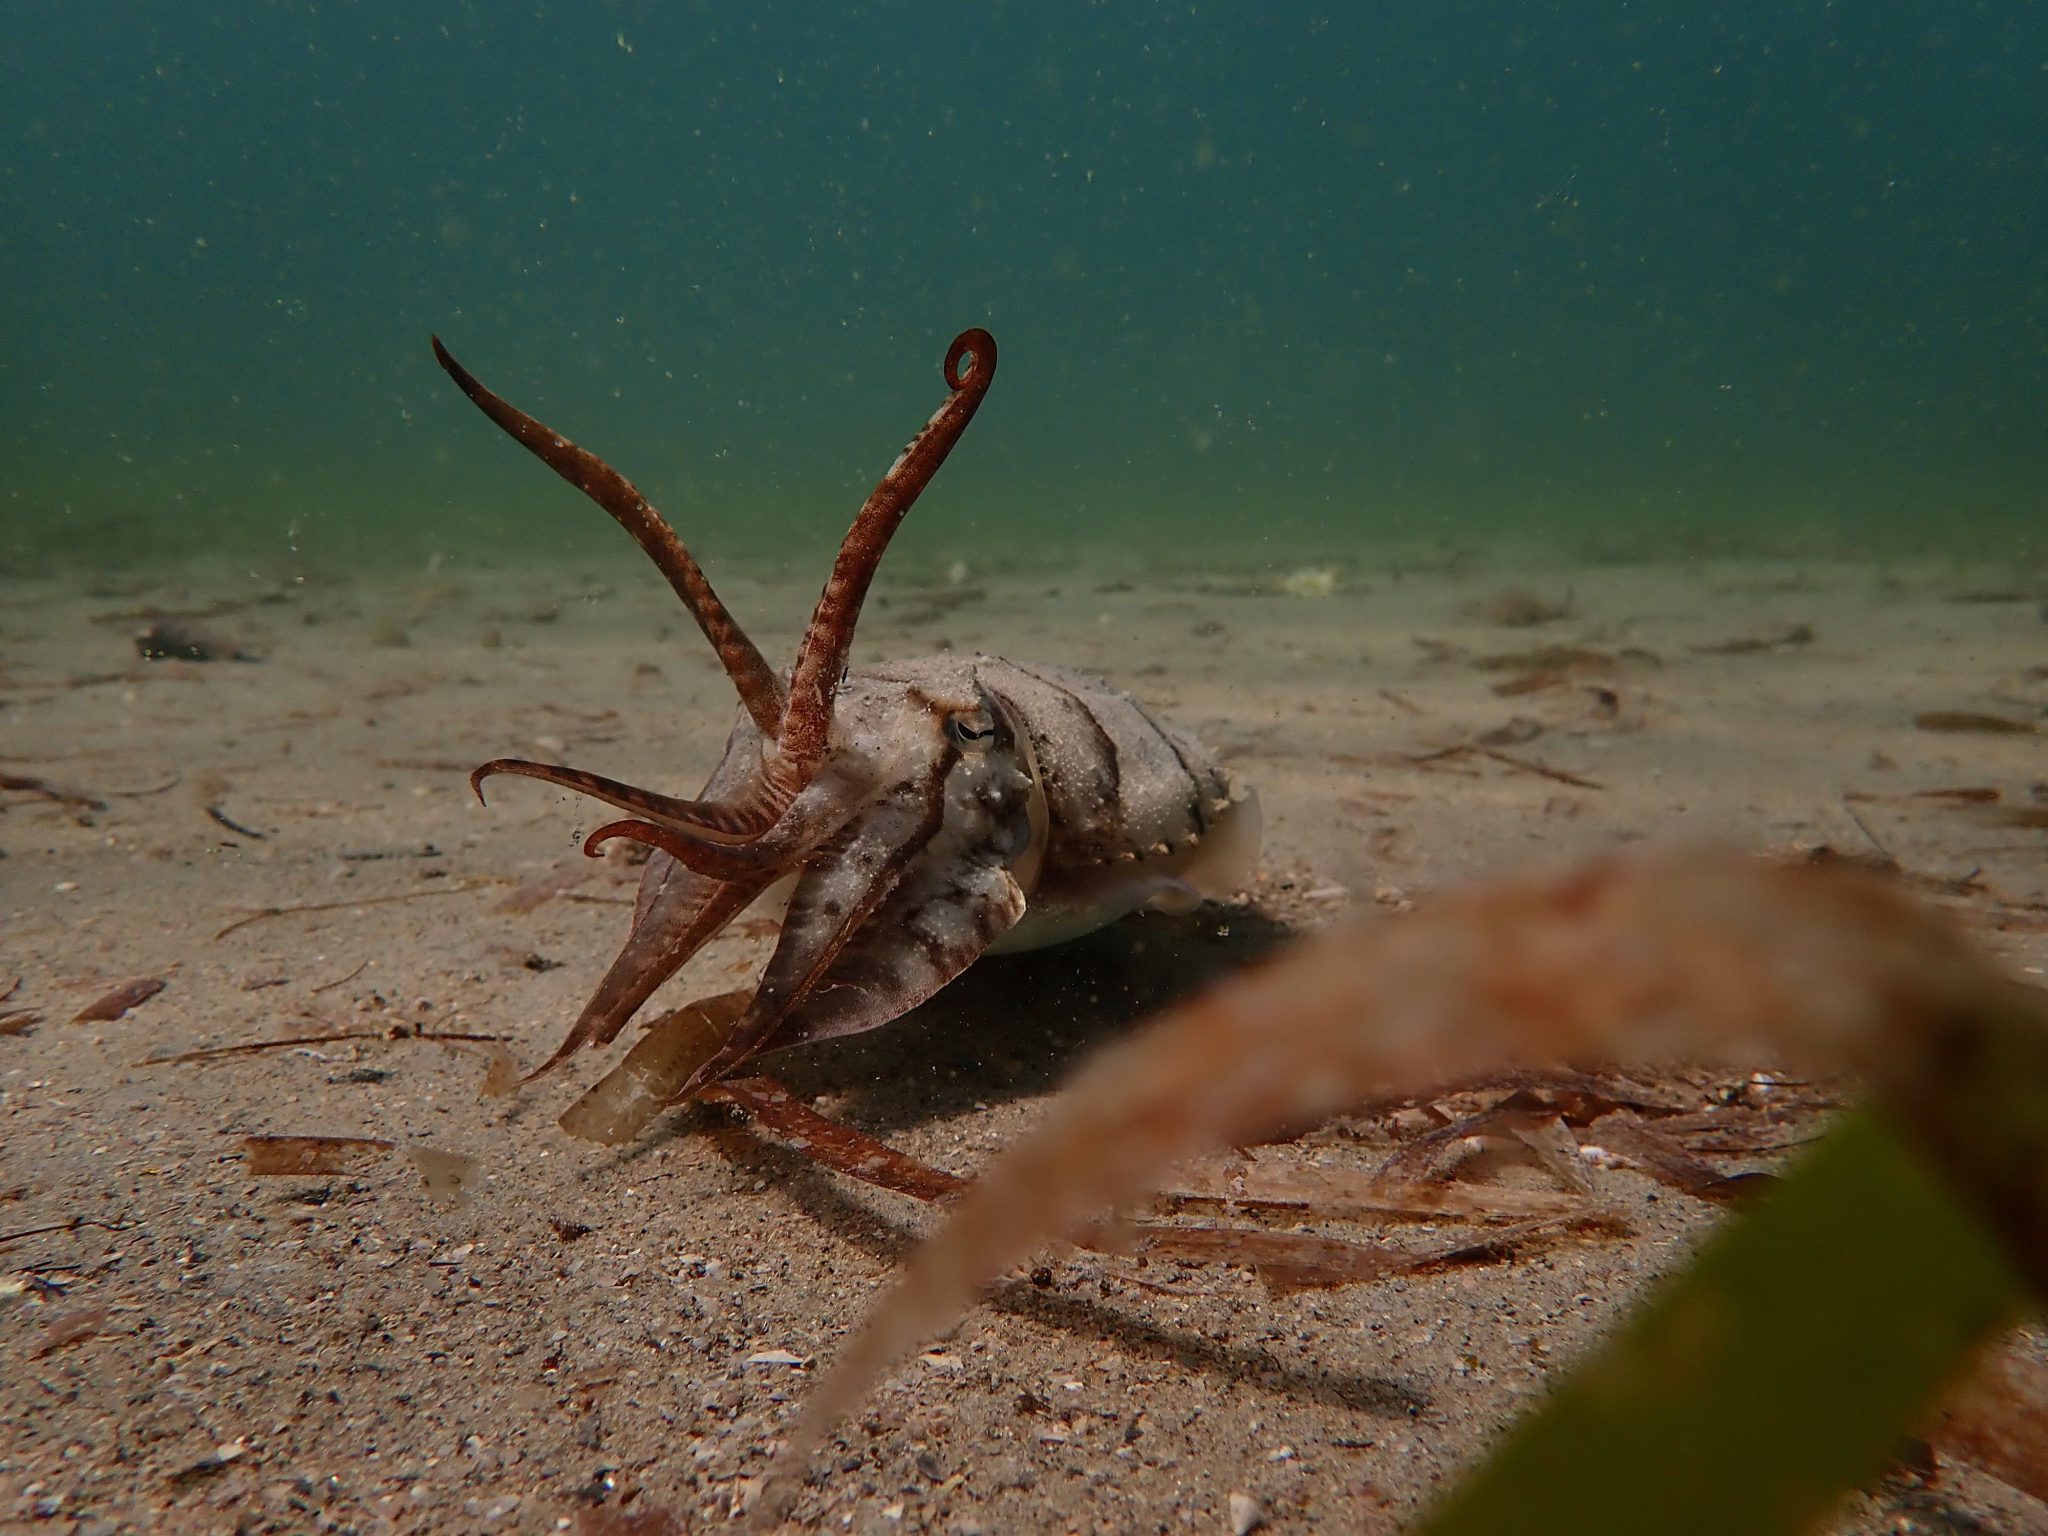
1784 1366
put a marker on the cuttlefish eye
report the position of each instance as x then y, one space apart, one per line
971 732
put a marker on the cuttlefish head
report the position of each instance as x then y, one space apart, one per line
899 806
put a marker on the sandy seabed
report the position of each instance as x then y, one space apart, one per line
591 1332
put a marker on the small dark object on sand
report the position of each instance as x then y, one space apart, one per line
1520 608
175 640
180 640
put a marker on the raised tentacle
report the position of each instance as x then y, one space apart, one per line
759 688
807 720
731 821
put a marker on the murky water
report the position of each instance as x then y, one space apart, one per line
1291 279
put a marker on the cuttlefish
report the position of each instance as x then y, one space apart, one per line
910 817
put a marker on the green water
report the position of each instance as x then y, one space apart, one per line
1611 278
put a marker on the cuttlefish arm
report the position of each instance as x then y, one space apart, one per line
676 912
773 808
900 902
679 912
938 922
760 690
806 728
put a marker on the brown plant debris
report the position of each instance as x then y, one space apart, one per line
1527 765
2030 816
1298 1261
1284 1261
446 1176
329 1037
115 1004
1662 1158
220 818
339 981
1271 1182
73 1325
75 799
1751 645
1963 720
1967 794
1540 681
251 1047
1992 595
1520 608
17 1021
501 1074
263 913
269 1156
1402 702
1524 1125
1580 1098
22 1234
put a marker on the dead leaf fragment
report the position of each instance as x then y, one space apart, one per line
70 1327
1299 1261
1972 720
501 1074
1520 608
1662 1158
1751 645
446 1175
1347 1192
274 1155
117 1002
224 1455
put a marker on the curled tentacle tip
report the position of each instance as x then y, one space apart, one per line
476 781
593 845
632 829
974 343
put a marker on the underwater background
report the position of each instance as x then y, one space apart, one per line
1610 279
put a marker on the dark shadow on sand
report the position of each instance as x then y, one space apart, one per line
822 1198
1012 1026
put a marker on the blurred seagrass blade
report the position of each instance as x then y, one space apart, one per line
1786 1365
